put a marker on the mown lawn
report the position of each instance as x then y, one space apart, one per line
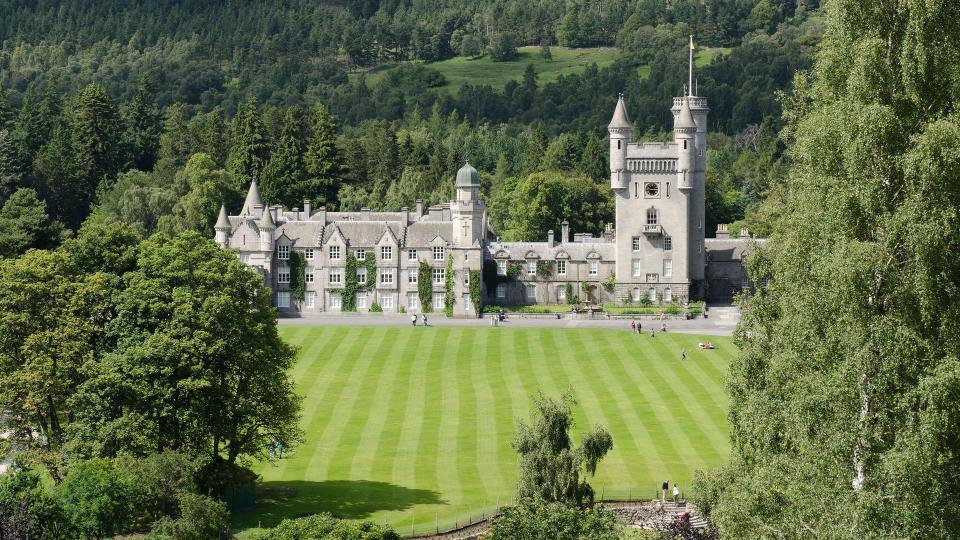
412 426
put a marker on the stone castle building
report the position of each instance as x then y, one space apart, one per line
655 249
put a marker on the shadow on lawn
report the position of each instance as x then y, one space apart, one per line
350 499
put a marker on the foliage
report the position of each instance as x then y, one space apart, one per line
27 509
24 224
348 295
848 373
609 283
544 269
97 498
425 286
449 296
568 290
476 298
671 309
370 264
375 308
554 521
298 266
159 479
514 269
325 526
550 467
541 201
95 144
199 518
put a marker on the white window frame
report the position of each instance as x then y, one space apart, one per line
360 254
412 255
593 268
561 268
636 268
438 299
653 217
386 276
561 293
283 252
652 294
334 277
361 276
308 274
386 253
501 267
413 301
362 299
245 258
283 275
438 252
439 275
386 301
668 243
412 276
308 254
531 292
334 254
531 268
667 268
335 301
310 300
501 291
283 299
667 295
652 278
635 243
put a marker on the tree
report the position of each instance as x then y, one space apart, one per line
848 373
249 150
27 509
104 246
550 467
137 199
6 112
198 365
541 201
554 521
503 47
142 138
97 155
326 526
324 160
286 172
206 188
199 518
536 148
561 155
10 172
24 224
593 163
97 498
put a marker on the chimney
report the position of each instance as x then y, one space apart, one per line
277 212
406 215
296 213
365 214
306 208
744 233
322 212
722 232
550 238
419 208
564 232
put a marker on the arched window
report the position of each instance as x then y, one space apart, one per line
667 295
652 294
636 294
651 216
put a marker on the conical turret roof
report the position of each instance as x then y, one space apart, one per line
253 199
266 220
222 221
620 120
685 117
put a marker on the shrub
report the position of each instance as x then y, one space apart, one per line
27 509
97 498
200 518
325 526
159 480
554 520
375 308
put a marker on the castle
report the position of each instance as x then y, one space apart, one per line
656 249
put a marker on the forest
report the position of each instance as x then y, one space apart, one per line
153 115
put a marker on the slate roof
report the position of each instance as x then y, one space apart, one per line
730 249
577 251
423 232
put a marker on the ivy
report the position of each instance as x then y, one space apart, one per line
348 297
449 298
490 277
514 268
475 295
297 280
370 263
425 286
609 283
568 288
544 269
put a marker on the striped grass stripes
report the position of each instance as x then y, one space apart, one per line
412 426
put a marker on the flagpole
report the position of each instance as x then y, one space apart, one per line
690 82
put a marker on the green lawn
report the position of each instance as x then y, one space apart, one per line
412 426
460 70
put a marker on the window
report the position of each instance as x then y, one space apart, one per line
636 243
466 303
501 291
310 300
438 301
618 144
361 254
501 267
438 275
334 253
335 300
667 243
531 292
652 278
386 301
667 268
362 300
561 268
335 277
561 293
636 268
636 190
386 276
438 253
413 301
412 276
636 294
361 276
283 252
651 216
667 295
308 254
668 190
592 268
699 222
283 275
684 144
699 246
412 255
308 274
531 268
244 258
386 253
652 294
466 276
283 299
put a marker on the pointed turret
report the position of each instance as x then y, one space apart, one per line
266 220
253 199
684 117
620 120
222 228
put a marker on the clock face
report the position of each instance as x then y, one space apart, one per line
652 189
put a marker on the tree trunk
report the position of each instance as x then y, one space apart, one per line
862 445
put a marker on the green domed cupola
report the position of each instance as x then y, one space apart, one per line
467 176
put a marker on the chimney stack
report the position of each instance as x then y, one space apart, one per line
550 238
564 232
296 213
722 232
419 208
322 212
306 208
365 214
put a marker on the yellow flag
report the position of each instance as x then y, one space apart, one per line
692 46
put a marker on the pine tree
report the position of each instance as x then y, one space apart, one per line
143 129
594 163
96 143
536 148
248 143
176 140
209 131
10 172
325 163
6 112
27 130
285 174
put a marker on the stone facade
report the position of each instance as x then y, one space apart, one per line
655 249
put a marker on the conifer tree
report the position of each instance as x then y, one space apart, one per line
176 140
249 150
6 111
27 130
325 163
10 173
594 163
209 131
536 148
96 143
286 172
844 406
143 129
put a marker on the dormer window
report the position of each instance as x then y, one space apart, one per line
283 252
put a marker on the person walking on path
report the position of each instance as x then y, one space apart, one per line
663 327
639 328
653 333
683 354
413 319
633 325
664 487
425 319
676 493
